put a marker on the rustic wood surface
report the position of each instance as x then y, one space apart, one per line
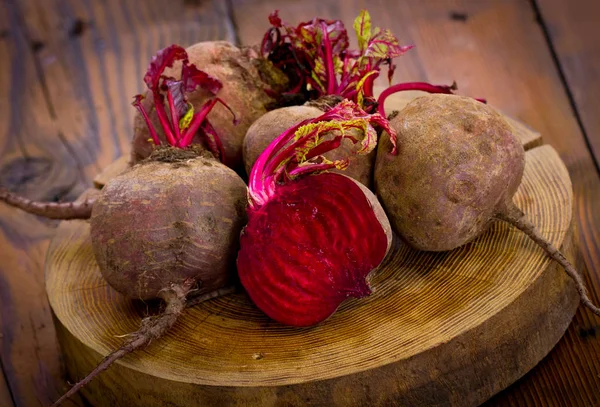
68 69
472 322
573 30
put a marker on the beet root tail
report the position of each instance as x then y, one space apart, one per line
517 218
51 210
152 328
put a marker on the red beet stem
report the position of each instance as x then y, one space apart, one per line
137 103
316 55
176 96
198 119
422 86
174 115
51 210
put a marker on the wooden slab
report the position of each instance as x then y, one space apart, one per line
451 328
572 27
111 171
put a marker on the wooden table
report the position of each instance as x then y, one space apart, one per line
68 70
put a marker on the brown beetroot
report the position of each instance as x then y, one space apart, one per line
170 225
167 227
265 129
247 81
163 223
456 171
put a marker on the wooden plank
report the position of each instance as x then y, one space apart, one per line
493 49
574 31
34 162
68 72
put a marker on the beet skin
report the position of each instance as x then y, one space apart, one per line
457 161
458 167
162 223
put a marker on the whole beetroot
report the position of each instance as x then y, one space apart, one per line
168 226
456 171
312 238
246 82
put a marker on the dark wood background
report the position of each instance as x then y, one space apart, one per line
69 68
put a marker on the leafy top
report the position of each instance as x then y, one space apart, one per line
317 58
182 122
298 151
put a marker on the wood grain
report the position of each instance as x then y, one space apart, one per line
68 70
493 49
573 30
472 321
111 170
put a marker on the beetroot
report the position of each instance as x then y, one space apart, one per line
169 226
311 240
248 83
457 169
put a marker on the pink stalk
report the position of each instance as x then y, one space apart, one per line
174 115
199 117
277 159
164 120
331 78
176 91
421 86
138 105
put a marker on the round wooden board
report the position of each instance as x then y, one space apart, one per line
449 328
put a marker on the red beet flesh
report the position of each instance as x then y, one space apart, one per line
333 240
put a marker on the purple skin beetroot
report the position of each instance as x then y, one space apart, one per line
457 172
152 235
312 237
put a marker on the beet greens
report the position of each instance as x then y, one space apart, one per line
316 56
181 123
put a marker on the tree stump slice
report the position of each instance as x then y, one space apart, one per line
450 328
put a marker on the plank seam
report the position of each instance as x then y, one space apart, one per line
231 23
46 93
5 378
563 79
